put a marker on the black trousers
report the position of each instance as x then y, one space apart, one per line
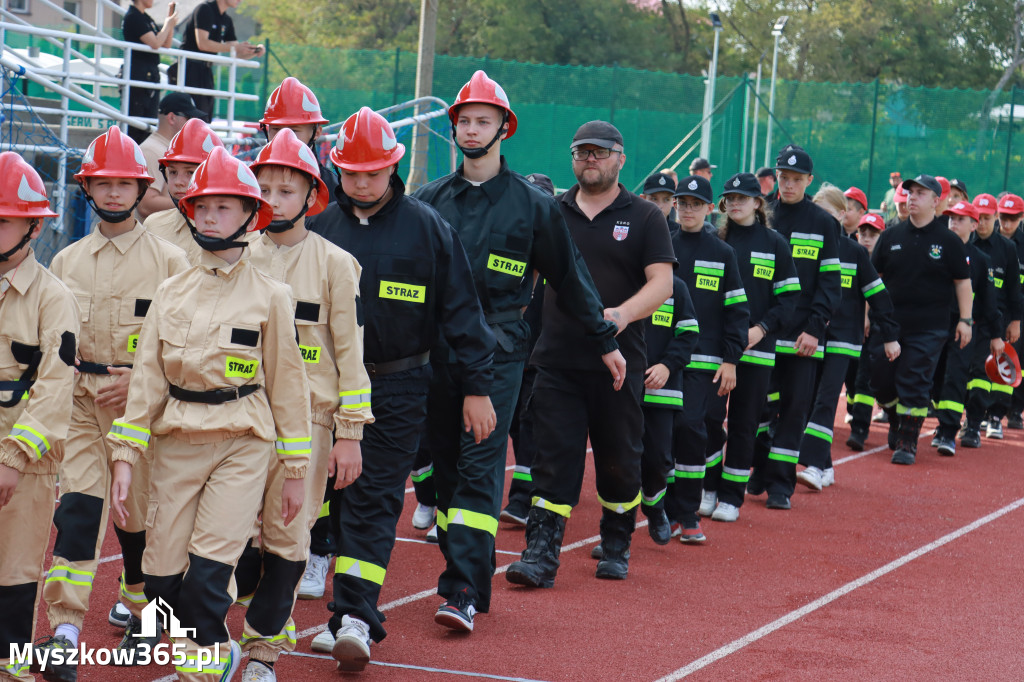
905 384
523 444
423 475
470 479
746 402
863 399
689 444
364 514
793 379
816 444
570 404
955 365
198 74
656 460
1016 406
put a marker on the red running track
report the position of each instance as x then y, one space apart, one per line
909 573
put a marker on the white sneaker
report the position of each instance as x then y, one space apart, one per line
323 643
257 672
828 477
848 418
352 646
119 615
423 517
234 660
313 580
708 501
432 534
811 477
726 512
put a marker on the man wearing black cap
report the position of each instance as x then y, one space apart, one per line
176 108
766 178
625 244
813 236
702 167
922 264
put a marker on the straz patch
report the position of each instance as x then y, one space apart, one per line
402 292
620 231
936 252
847 281
764 272
310 354
236 367
506 266
133 342
802 251
708 282
662 317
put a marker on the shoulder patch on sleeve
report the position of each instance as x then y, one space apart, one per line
67 348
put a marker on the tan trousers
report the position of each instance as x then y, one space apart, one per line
204 498
24 536
85 476
289 542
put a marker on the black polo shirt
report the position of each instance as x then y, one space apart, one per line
209 18
616 246
135 25
919 266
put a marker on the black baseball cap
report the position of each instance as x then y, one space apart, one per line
700 163
794 158
659 182
598 133
765 172
543 182
181 104
742 183
926 181
959 184
695 186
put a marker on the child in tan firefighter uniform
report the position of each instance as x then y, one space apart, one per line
189 147
37 353
325 284
219 377
113 273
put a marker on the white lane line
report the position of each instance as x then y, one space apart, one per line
792 616
426 542
486 676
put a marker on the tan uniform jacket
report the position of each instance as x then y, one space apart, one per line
170 225
153 147
325 284
219 325
114 281
36 310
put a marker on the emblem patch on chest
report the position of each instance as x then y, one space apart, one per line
621 230
936 252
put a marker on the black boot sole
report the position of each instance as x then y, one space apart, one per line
518 576
611 570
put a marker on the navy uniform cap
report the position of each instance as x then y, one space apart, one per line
697 187
794 158
542 181
742 183
659 182
926 181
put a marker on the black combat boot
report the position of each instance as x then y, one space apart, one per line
539 563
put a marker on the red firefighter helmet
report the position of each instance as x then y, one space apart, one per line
22 192
114 155
1005 369
366 142
286 150
192 144
223 175
292 103
481 89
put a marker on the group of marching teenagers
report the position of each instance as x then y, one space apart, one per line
246 381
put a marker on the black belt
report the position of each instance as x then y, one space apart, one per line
95 367
380 369
16 386
216 397
504 316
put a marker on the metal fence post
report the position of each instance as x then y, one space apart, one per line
871 153
394 91
1009 138
615 92
746 113
265 90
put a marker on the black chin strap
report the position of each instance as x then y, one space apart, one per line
480 152
366 204
218 243
163 172
6 255
113 216
278 226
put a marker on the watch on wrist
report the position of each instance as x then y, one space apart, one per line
969 321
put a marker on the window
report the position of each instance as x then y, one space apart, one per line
73 7
18 6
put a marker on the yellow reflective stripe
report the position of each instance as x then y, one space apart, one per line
619 507
32 438
560 509
126 431
354 400
472 519
1001 388
65 574
288 634
325 510
133 597
442 520
980 384
360 569
218 667
294 446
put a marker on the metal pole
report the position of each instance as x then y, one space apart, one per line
265 90
424 87
125 89
62 167
709 100
757 101
771 104
871 154
394 95
1009 138
746 118
232 75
